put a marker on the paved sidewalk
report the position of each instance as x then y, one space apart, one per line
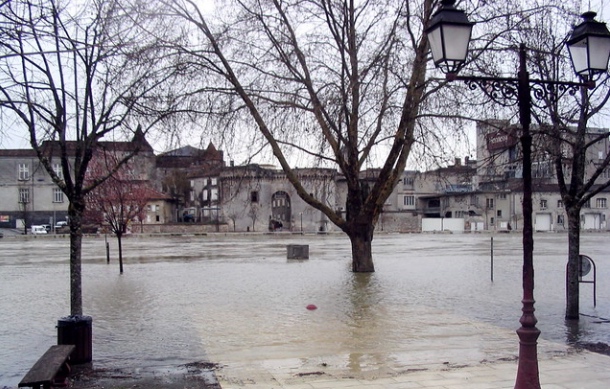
574 370
482 357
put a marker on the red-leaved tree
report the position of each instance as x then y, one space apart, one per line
120 200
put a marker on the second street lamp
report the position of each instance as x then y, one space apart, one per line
589 48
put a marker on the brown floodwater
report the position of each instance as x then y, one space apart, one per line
220 297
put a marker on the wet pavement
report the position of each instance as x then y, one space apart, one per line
196 375
237 303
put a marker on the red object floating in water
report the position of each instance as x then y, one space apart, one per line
311 307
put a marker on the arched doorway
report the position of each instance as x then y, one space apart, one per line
280 211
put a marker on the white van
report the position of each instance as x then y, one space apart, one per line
38 230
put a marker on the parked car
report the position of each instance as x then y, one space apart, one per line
39 230
47 227
61 224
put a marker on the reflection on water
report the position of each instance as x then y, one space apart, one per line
224 298
363 316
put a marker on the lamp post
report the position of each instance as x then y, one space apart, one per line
449 33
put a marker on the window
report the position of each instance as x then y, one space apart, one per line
503 196
492 221
499 213
559 203
24 172
474 200
601 202
24 195
409 181
587 204
560 219
489 203
214 193
214 181
58 171
543 204
606 173
254 196
542 169
409 200
58 195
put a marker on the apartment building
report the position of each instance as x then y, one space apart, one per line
28 196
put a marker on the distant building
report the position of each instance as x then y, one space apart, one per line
191 185
500 174
259 198
28 196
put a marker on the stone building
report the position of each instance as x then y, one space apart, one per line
500 172
260 198
29 197
27 194
190 176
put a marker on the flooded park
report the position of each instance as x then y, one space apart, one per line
224 298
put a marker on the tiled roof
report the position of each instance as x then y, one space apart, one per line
17 153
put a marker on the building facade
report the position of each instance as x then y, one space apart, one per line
500 172
191 185
27 194
30 197
260 198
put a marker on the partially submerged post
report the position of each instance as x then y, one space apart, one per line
298 251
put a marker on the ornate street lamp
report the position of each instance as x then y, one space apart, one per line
449 34
589 48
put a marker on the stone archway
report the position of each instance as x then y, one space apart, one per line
281 213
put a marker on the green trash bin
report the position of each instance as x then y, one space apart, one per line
77 330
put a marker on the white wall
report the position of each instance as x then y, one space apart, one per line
442 224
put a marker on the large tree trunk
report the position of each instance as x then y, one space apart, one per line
75 213
572 284
362 254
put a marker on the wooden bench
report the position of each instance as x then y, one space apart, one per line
51 369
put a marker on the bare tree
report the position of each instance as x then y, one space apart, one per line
581 160
24 201
340 82
178 186
72 74
233 217
254 214
121 199
566 143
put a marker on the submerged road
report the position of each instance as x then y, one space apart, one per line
236 299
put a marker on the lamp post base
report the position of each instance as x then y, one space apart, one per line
527 372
